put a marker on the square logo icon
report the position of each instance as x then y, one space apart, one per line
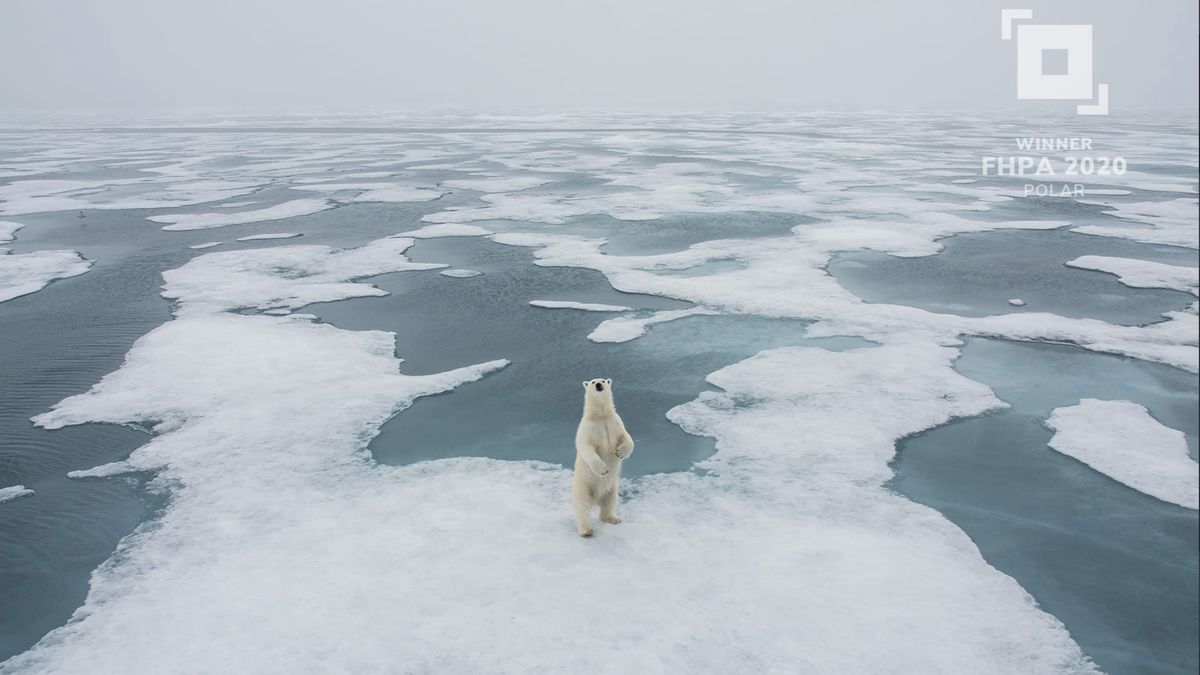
1054 62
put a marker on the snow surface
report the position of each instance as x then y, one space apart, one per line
584 306
25 273
774 268
201 221
447 230
1172 222
626 328
8 231
786 554
271 235
1122 441
14 492
1143 273
461 274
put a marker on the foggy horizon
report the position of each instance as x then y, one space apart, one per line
138 56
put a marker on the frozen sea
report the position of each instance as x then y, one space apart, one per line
297 393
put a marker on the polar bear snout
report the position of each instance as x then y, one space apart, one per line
599 386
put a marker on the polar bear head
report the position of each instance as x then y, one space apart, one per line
598 391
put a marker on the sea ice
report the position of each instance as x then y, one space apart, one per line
201 221
1121 440
584 306
13 492
626 328
1143 273
446 230
270 235
205 245
24 273
460 273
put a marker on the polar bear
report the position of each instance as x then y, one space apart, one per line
601 444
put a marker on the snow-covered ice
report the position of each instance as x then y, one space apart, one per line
270 235
1143 273
208 244
1121 440
201 221
461 273
626 328
12 492
584 306
25 273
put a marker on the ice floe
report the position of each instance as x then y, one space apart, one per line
446 230
270 235
284 276
626 328
1121 440
460 273
1143 273
1172 222
787 553
202 221
8 231
1016 302
25 273
583 306
14 492
207 244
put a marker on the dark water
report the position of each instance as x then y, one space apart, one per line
1118 567
529 410
977 274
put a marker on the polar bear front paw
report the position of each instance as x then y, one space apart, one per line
586 533
600 469
611 520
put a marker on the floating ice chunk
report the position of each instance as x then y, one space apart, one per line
271 235
625 328
497 183
21 274
201 221
1173 222
461 274
446 230
1143 273
1016 302
103 471
233 205
284 276
8 231
584 306
1121 440
376 192
208 244
14 492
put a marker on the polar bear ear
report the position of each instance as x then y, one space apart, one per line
585 384
608 381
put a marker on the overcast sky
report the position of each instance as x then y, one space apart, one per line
67 55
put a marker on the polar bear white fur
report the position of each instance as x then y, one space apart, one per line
601 444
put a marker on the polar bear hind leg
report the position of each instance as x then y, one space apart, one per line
583 511
608 506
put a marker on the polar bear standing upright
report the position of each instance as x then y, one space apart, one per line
601 443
